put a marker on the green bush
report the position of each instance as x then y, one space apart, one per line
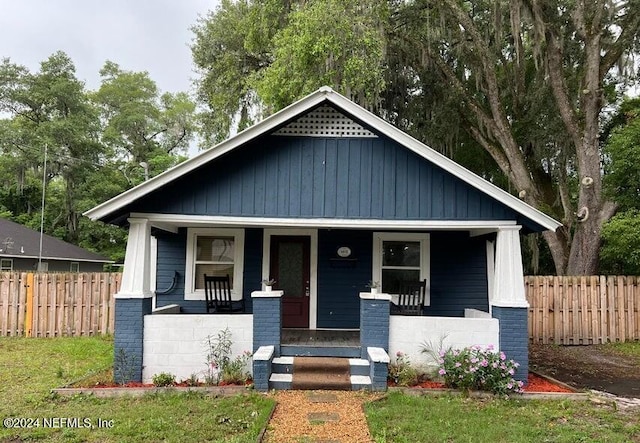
164 379
481 369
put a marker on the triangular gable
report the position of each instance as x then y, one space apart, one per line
290 117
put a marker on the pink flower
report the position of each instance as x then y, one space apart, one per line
399 354
490 348
484 363
442 372
458 364
502 356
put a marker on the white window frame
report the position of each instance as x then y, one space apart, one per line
77 266
190 293
3 266
425 255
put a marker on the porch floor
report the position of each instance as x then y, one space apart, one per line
320 337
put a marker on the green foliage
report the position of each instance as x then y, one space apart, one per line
402 372
174 417
481 369
620 252
220 365
339 43
124 367
622 181
95 142
402 418
163 379
256 57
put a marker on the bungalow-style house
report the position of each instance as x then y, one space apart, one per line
323 197
20 251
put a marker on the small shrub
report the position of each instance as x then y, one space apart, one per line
402 372
124 367
481 369
220 365
192 380
164 379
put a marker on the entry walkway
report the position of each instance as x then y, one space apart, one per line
319 417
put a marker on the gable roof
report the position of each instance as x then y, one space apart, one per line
18 241
324 95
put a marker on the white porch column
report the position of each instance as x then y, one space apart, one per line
508 287
136 276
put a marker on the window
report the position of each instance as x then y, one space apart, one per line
215 252
75 266
400 257
6 264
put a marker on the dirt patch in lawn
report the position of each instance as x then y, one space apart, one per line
588 367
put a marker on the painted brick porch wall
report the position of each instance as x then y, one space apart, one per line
128 334
514 338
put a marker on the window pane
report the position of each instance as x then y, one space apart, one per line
213 270
392 279
218 249
401 253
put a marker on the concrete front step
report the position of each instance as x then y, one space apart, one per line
284 381
315 373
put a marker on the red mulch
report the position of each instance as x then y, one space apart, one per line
535 383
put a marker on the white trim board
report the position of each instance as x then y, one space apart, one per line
328 96
181 220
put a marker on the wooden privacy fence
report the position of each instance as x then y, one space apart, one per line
583 310
57 304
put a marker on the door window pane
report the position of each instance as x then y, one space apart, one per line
291 268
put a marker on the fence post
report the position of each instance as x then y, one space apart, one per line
28 321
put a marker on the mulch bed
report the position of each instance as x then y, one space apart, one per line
535 383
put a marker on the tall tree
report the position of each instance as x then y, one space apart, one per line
48 109
145 130
525 81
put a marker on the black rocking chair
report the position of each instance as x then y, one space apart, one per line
411 298
217 292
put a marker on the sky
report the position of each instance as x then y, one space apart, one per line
139 35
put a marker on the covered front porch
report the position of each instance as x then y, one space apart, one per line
472 273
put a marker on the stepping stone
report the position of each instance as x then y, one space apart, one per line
322 417
322 397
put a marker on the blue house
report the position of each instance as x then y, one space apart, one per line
324 197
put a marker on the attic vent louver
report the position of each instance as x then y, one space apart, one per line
325 122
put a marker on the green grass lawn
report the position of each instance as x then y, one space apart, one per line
628 348
403 418
30 368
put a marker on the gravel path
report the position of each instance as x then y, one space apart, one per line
319 417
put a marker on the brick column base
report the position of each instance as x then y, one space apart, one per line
374 322
128 338
514 337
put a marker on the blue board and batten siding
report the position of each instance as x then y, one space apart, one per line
458 273
352 178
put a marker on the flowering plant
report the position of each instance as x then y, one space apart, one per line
401 371
477 368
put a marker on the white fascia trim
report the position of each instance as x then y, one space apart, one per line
238 261
300 107
182 220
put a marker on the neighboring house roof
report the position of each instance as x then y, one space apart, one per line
324 95
18 241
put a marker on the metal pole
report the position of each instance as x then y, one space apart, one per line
44 188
